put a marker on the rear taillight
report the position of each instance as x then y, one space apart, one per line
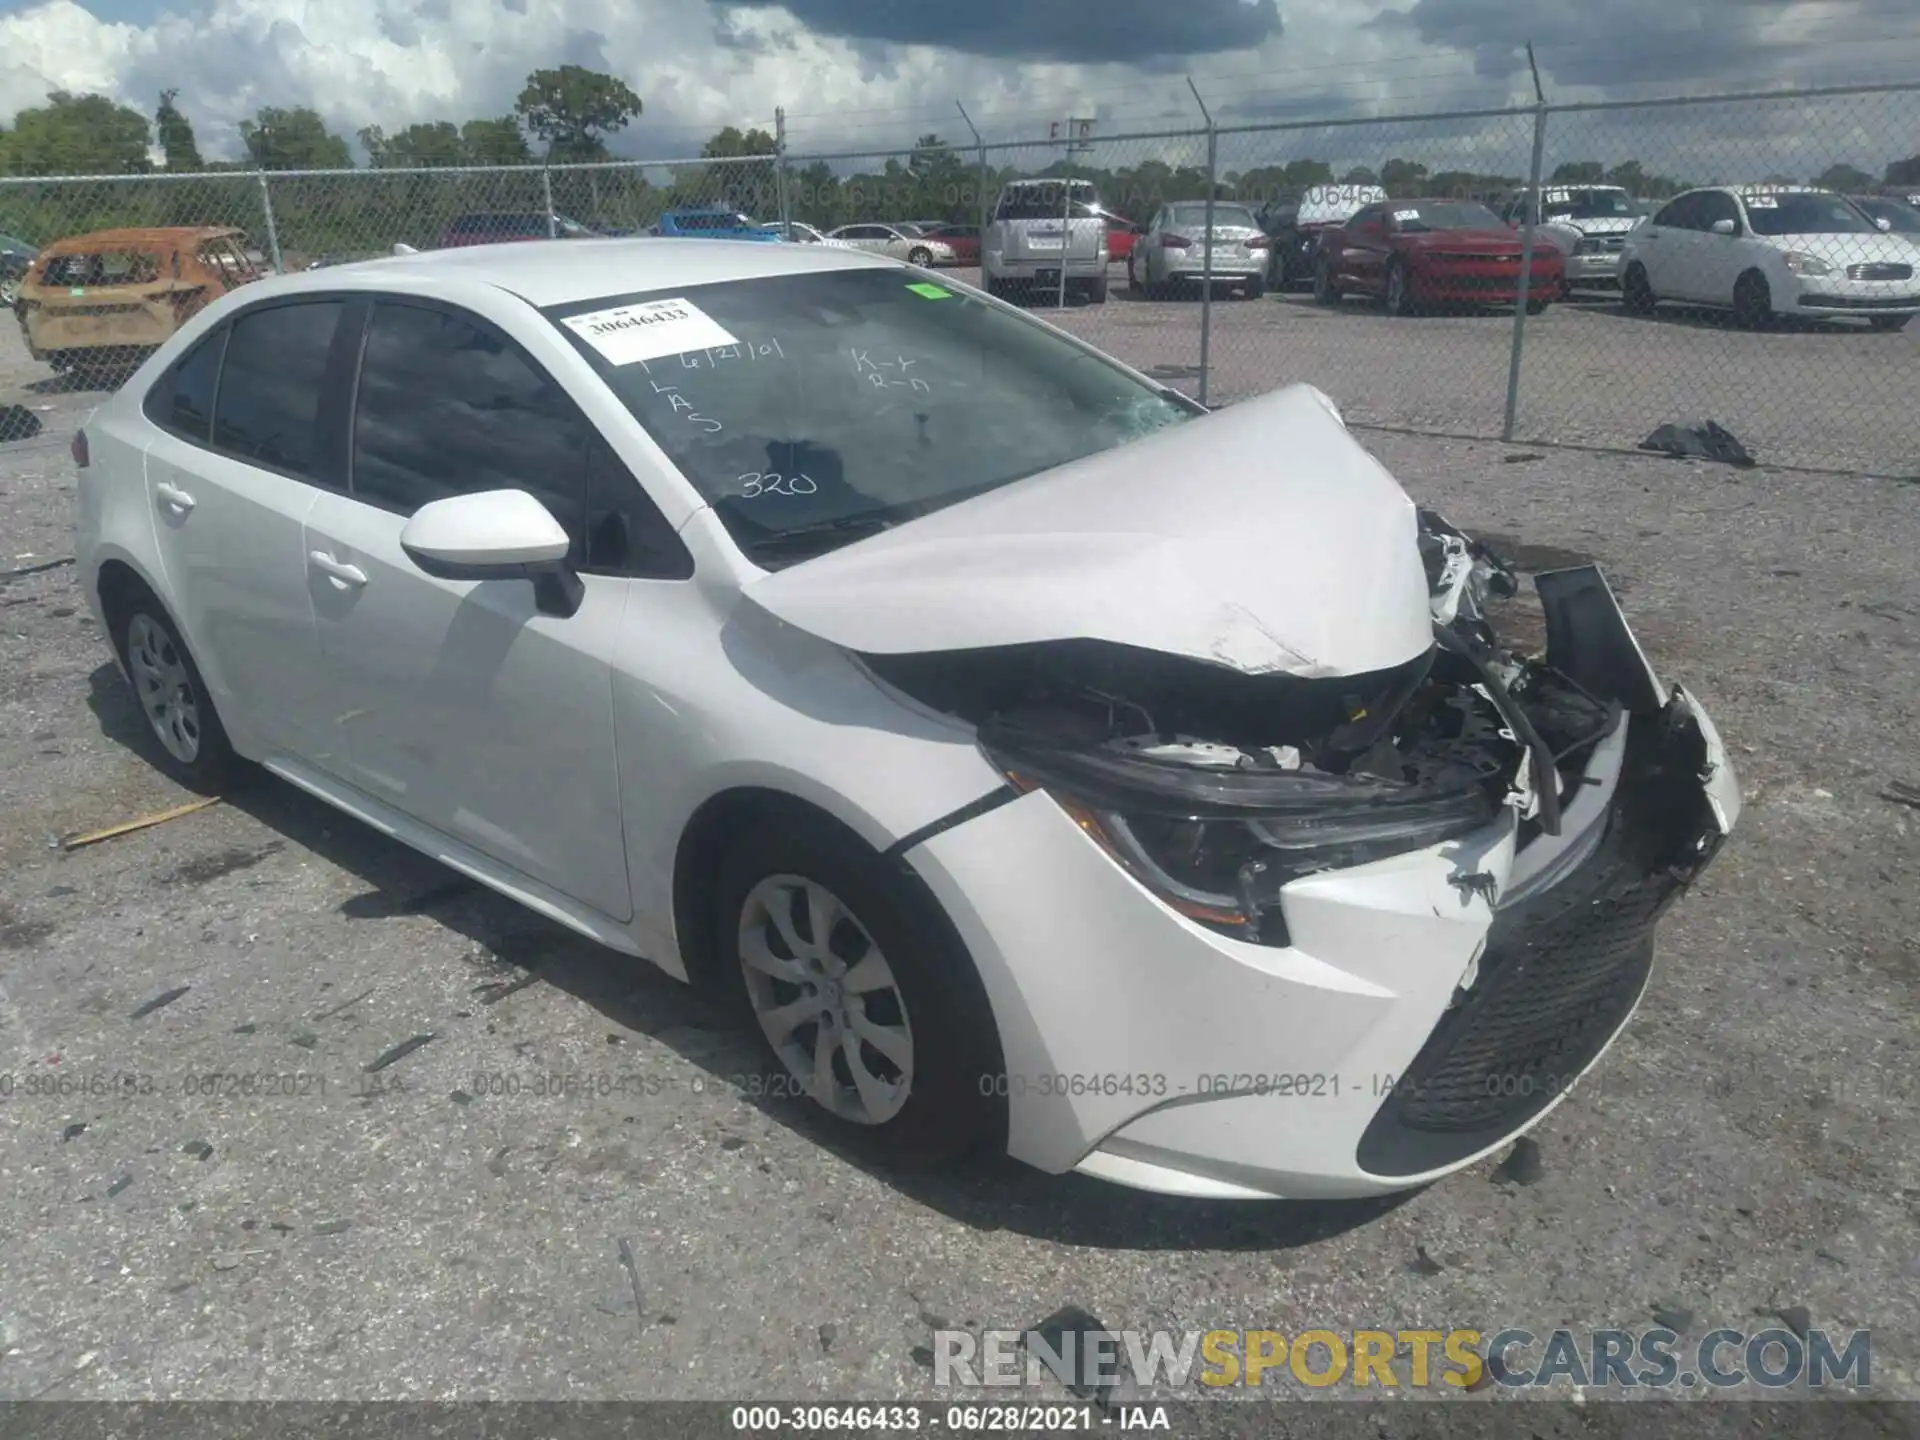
1174 242
1260 242
79 448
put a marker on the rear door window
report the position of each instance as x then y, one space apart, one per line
182 399
102 268
267 410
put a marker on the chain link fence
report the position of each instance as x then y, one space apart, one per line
1280 294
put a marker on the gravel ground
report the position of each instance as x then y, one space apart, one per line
1830 396
395 1223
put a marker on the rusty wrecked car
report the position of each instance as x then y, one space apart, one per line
105 301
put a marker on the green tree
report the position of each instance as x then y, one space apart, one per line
79 135
1904 172
1578 172
417 147
176 135
1359 175
574 109
732 143
1847 179
498 141
293 139
1629 176
1403 178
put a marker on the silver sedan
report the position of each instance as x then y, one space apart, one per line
1174 250
897 242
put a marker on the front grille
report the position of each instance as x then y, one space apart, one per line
1561 971
1880 272
1488 284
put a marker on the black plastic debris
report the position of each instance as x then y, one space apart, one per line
1068 1345
199 1149
159 1002
1673 1316
1523 1166
333 1227
1705 441
1423 1263
828 1333
117 1186
73 1131
399 1052
1797 1317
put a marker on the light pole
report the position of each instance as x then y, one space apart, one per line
1077 136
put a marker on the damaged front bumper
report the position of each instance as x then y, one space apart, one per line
1422 1010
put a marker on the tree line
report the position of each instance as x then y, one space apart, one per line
566 116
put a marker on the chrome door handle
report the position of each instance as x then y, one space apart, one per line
338 571
173 495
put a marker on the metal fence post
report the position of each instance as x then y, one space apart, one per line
981 184
780 169
1531 221
273 229
1206 242
546 189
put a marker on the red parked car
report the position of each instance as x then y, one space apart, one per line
1412 254
963 240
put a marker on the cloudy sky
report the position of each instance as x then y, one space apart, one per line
856 74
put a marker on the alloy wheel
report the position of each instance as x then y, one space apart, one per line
165 687
826 999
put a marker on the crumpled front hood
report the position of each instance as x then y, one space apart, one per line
1261 538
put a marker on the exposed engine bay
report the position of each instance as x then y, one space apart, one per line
1218 787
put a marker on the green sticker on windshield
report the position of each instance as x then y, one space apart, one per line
930 292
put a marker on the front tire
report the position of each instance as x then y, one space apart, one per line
1255 288
1888 322
859 988
1752 301
1537 307
920 256
1398 296
1636 291
194 748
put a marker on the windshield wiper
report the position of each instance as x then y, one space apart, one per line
806 537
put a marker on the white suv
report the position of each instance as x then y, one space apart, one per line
1766 250
1040 227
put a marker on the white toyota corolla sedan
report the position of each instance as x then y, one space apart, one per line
1041 760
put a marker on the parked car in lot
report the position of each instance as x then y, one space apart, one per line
963 240
1040 228
1765 250
499 227
950 742
1416 254
896 242
717 224
1174 251
1295 219
15 256
801 233
1890 214
1589 223
106 299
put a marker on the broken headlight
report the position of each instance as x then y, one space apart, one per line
1217 844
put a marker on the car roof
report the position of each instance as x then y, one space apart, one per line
560 272
139 237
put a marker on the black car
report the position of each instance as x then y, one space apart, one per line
15 256
1295 219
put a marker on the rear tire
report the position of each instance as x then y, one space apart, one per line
1254 288
1397 297
887 972
1752 301
1325 292
1097 292
1537 307
1636 291
1889 322
178 707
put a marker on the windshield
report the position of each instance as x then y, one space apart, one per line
1590 204
1446 215
856 398
1195 213
1805 214
16 245
1902 219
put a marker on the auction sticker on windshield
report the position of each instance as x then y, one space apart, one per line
628 334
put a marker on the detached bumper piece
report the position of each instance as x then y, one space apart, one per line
1565 965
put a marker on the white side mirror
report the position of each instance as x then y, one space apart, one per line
495 535
405 250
